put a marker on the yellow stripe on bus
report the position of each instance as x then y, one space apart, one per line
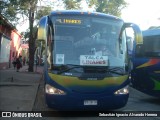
67 81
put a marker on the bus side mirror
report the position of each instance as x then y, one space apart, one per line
42 29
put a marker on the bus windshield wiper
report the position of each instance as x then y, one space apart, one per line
115 70
69 68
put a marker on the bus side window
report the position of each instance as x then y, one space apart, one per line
156 45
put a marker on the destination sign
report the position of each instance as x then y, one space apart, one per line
69 21
93 60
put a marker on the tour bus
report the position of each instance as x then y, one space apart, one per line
86 61
145 75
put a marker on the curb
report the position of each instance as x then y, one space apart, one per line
37 92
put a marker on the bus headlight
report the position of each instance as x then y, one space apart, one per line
121 91
52 90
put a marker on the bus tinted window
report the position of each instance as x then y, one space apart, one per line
151 46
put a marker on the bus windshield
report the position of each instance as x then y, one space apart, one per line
87 41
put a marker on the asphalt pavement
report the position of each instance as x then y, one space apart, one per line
18 90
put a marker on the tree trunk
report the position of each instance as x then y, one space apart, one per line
31 41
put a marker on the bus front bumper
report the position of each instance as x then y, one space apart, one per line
90 102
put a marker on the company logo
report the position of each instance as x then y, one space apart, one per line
6 114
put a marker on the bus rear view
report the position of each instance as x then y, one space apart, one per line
146 71
86 60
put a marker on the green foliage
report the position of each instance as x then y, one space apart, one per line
10 9
72 4
154 27
27 33
112 7
42 12
2 22
7 10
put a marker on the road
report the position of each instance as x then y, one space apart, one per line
137 102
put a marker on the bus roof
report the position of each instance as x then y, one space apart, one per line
151 32
79 12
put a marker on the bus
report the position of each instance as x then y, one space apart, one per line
145 75
86 62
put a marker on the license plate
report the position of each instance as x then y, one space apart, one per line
90 102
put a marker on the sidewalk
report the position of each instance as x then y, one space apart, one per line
18 89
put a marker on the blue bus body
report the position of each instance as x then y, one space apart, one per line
79 80
145 75
79 90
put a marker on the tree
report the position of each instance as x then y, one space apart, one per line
72 4
9 9
112 7
43 11
32 37
154 27
28 8
24 8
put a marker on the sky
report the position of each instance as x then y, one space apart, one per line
144 13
